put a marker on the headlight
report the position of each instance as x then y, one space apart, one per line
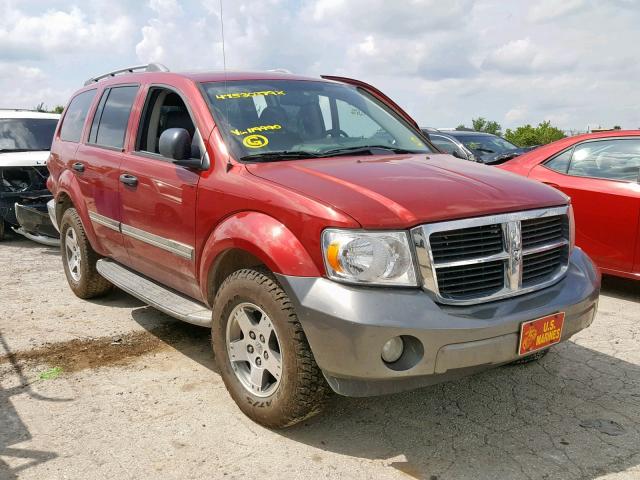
376 258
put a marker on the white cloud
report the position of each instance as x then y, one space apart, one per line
445 62
546 10
59 32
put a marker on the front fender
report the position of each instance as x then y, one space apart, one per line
67 184
263 237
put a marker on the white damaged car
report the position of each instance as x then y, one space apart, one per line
25 141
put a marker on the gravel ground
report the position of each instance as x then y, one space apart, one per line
136 395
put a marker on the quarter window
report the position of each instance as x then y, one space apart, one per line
71 129
560 163
444 144
111 118
617 159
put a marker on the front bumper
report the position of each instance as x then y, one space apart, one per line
346 327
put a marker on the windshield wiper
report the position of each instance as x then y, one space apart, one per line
370 149
480 149
275 156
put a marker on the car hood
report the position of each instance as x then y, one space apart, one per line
24 159
404 190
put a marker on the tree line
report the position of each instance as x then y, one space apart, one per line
524 136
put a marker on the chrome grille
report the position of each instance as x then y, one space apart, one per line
469 281
538 267
486 258
466 242
541 231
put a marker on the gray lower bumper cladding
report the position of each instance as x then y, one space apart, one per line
347 326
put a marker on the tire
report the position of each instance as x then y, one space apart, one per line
83 278
2 227
534 357
300 391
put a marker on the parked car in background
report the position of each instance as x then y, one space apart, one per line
449 144
487 148
600 172
307 223
25 140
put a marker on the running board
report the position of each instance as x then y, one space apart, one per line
152 293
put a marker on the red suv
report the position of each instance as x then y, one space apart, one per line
316 231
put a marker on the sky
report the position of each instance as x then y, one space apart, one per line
573 62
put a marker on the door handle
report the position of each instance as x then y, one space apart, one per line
128 179
551 184
78 166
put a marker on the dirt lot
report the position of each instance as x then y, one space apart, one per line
114 389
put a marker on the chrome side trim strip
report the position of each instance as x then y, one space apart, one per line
104 221
177 248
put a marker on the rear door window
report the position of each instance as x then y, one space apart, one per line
112 117
71 129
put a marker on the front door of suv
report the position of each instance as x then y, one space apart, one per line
158 197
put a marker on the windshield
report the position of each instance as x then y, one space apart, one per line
26 133
486 143
305 119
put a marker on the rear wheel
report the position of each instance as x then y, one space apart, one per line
79 259
263 354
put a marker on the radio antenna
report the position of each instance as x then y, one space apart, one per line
224 56
224 69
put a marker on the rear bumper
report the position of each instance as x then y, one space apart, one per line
347 326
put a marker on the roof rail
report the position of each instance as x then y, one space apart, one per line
151 67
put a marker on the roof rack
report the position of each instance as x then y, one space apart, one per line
151 67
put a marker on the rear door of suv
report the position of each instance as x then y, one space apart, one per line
97 164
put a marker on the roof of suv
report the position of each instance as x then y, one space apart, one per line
199 77
17 113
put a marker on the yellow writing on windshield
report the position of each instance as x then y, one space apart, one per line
260 128
263 93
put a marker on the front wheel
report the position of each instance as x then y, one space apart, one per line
79 259
262 352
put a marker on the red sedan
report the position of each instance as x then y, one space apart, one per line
600 172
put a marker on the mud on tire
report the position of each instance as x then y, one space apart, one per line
302 390
82 276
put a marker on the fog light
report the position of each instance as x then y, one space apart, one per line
392 349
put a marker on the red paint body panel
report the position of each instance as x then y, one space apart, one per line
402 191
275 211
607 212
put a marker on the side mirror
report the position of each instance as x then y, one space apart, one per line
175 143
